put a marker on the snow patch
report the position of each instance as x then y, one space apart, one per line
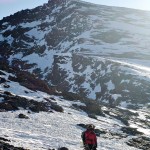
110 85
1 99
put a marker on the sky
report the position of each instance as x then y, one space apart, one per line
8 7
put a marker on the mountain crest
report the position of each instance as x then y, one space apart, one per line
57 1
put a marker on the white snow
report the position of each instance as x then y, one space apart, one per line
110 85
31 24
1 38
9 28
56 10
10 39
124 104
16 56
5 23
115 96
41 61
140 129
97 89
54 130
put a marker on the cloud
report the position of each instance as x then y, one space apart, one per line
6 1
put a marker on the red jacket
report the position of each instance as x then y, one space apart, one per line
89 137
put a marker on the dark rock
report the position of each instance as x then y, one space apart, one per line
22 116
117 135
140 142
71 96
92 116
30 81
2 80
6 86
7 93
91 107
26 92
121 114
63 148
6 146
3 139
98 132
56 107
6 106
13 102
131 131
29 112
123 119
82 125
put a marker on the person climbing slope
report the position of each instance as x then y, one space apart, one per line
89 138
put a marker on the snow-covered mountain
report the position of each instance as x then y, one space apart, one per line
98 52
69 63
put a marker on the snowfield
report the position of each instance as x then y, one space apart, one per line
54 130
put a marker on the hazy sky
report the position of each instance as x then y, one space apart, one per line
8 7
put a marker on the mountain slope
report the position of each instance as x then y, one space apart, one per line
59 41
41 130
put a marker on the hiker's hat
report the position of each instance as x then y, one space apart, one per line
90 126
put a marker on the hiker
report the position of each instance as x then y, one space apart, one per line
89 138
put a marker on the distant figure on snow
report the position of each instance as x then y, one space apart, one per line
89 138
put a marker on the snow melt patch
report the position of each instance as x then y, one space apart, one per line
5 23
116 96
41 61
31 24
110 85
93 92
